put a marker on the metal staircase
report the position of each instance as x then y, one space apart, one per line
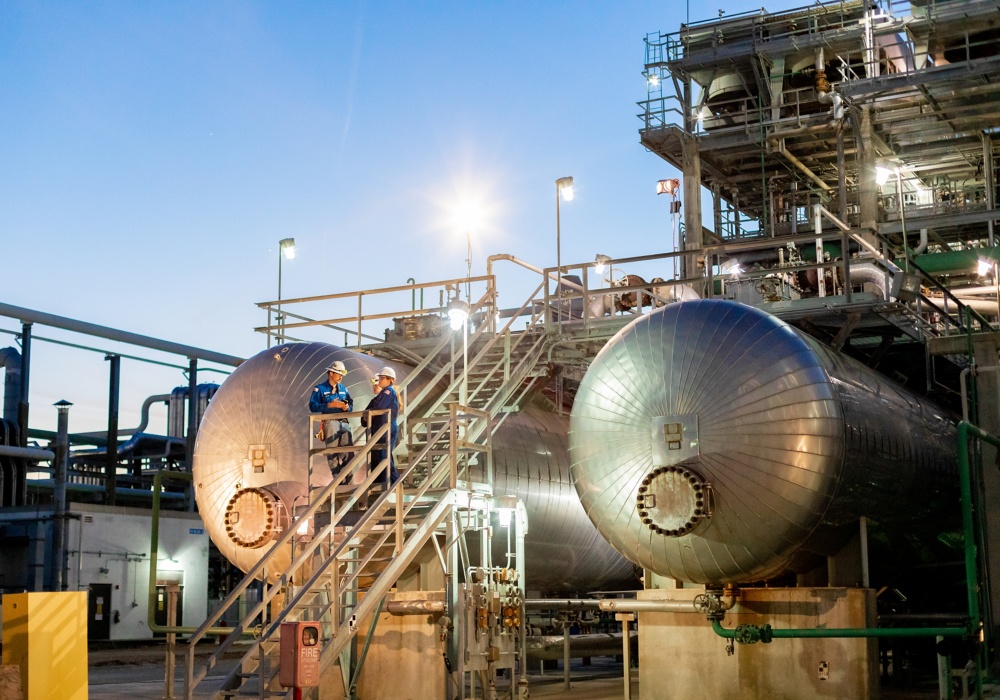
341 572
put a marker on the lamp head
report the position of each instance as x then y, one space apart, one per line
565 187
600 262
287 247
458 313
668 187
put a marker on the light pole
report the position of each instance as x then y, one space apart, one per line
286 249
468 265
458 316
671 187
564 188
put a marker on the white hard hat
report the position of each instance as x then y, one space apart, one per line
337 367
387 372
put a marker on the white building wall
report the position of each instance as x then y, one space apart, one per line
111 545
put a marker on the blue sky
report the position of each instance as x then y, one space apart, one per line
153 153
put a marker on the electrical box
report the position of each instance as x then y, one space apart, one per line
300 650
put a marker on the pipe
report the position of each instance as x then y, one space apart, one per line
192 426
750 634
61 464
803 167
22 408
32 453
982 306
111 454
146 405
29 316
413 294
561 604
630 605
974 291
414 607
154 546
869 273
965 429
10 360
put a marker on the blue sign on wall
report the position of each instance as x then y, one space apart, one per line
196 531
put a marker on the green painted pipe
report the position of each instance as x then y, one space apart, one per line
749 634
154 546
954 261
965 429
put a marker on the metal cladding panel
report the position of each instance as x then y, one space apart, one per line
264 403
564 552
792 440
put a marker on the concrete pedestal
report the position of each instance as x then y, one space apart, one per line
404 661
681 657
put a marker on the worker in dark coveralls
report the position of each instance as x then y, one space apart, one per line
333 397
385 398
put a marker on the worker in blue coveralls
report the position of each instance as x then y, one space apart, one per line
385 398
333 397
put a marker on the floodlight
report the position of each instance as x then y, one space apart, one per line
458 313
565 187
882 175
600 262
668 187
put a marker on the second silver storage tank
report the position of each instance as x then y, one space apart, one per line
711 442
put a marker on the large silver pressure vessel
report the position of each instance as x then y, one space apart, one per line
251 468
251 457
711 443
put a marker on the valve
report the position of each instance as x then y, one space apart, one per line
751 634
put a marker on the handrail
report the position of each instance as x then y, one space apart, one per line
361 527
252 574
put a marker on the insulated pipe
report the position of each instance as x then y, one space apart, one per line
869 273
29 316
10 360
974 291
681 606
982 306
30 453
414 607
146 405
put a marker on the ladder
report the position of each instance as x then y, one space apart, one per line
341 572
